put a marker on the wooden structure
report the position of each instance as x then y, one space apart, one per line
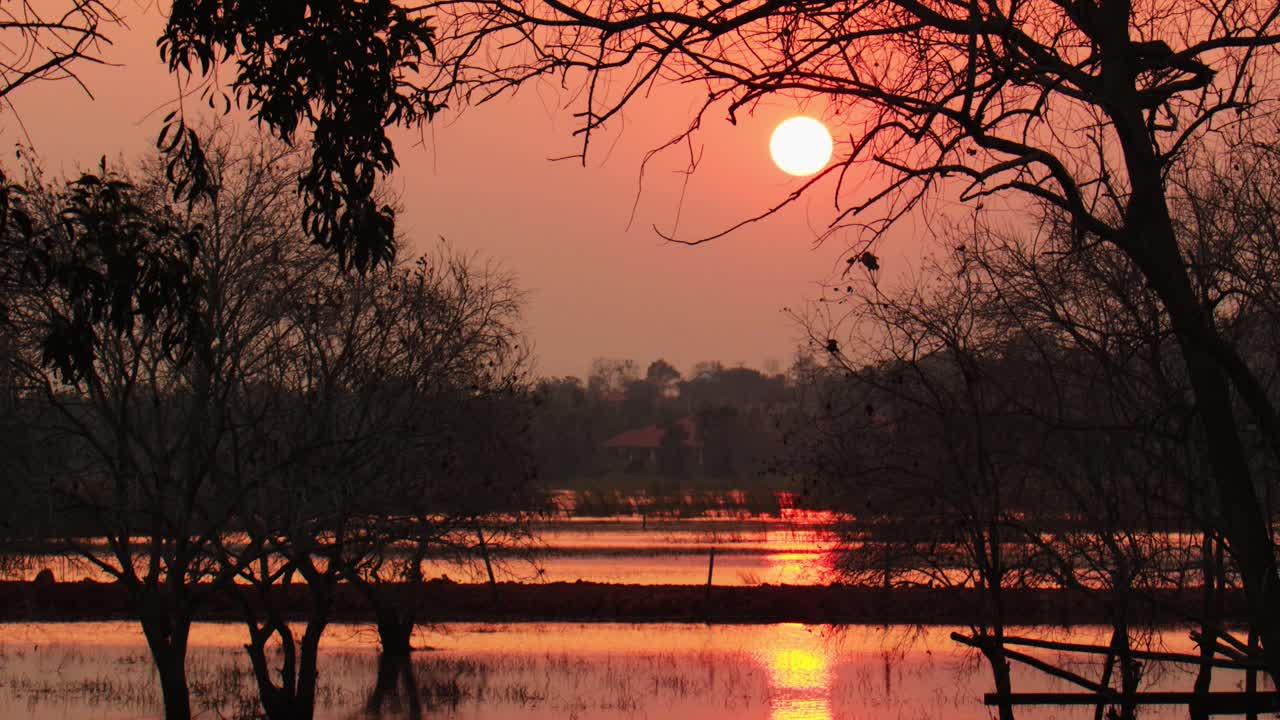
1227 652
639 448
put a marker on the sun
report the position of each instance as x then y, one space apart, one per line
800 146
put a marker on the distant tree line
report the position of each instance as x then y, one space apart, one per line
736 413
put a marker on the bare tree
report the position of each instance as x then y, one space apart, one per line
387 439
145 435
1115 443
913 440
1082 106
463 491
1066 340
43 41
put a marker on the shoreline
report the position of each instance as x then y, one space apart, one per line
446 601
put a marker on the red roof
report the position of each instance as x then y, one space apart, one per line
650 438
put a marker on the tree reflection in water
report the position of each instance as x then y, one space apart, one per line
396 681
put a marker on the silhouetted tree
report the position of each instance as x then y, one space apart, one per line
662 374
341 74
45 43
145 434
565 431
1083 107
393 435
910 442
462 489
338 75
673 452
725 441
718 386
639 402
1085 405
609 377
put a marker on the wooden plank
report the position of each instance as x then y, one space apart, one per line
1251 676
1136 654
1232 648
1235 641
1215 703
1038 664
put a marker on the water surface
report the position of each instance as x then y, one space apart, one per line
100 671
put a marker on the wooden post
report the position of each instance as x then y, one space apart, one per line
711 568
488 566
1251 675
706 599
1100 708
1209 579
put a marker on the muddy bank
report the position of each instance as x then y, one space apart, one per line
442 600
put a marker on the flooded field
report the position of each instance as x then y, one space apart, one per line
101 671
676 552
792 548
626 550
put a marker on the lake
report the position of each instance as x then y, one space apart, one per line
101 671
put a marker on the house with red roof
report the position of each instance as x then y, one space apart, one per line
638 448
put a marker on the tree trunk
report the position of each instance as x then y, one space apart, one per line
1000 673
993 579
1212 582
395 665
1244 524
167 639
1099 710
395 633
294 698
308 670
488 564
1150 241
1130 672
173 687
270 696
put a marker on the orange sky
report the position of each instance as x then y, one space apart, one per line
482 180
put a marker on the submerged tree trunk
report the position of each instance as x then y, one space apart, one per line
994 651
166 634
1251 675
1130 670
1099 710
1000 673
1122 579
294 697
395 665
1213 598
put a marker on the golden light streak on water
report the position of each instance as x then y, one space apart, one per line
801 676
795 568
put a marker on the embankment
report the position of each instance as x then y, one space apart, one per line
442 601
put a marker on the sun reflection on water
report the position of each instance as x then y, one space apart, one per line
800 675
795 568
